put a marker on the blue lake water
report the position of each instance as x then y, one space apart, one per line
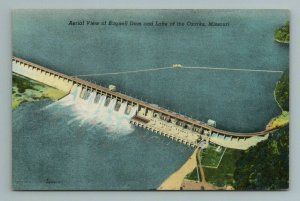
238 101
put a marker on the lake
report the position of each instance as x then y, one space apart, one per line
46 148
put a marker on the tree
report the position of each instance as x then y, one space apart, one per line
282 91
282 34
266 165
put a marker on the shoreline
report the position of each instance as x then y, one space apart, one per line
34 91
274 95
281 41
175 180
280 120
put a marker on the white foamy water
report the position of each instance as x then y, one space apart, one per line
96 113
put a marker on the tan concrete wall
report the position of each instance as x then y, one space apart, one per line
236 143
43 77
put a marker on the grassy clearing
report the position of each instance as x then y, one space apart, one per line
223 175
26 90
211 156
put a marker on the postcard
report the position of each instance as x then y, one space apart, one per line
150 99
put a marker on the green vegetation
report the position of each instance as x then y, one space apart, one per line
26 90
193 175
261 167
282 91
21 83
223 175
211 156
281 95
266 165
282 34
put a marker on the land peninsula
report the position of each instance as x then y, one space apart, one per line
282 34
27 90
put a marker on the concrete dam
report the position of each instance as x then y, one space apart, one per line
159 120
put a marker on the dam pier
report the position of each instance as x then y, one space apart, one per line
156 119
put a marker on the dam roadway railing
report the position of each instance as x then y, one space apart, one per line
141 104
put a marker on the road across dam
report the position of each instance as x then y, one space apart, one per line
149 116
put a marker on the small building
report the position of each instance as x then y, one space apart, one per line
112 87
212 123
202 144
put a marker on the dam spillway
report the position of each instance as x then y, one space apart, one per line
149 116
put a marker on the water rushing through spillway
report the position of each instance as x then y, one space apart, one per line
65 145
98 111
